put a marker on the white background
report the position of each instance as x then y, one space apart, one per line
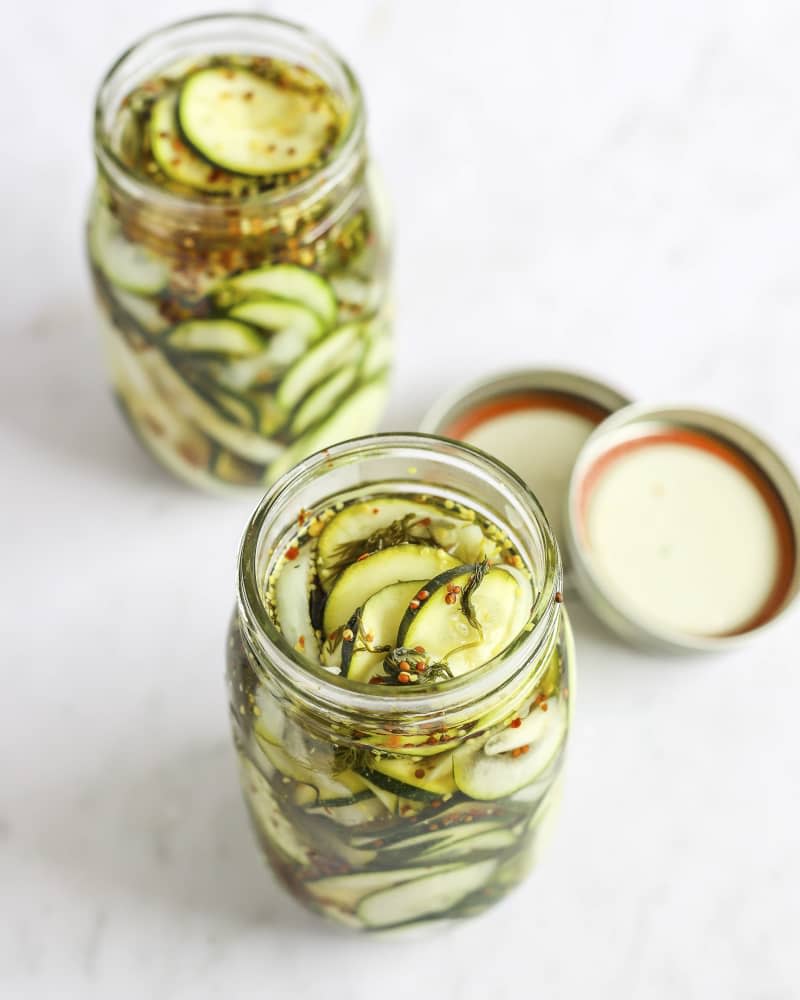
613 186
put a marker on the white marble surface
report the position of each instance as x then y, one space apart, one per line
614 186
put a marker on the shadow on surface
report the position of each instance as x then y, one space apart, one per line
174 838
56 395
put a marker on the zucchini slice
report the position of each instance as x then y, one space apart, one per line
428 779
229 468
342 347
292 604
176 159
320 401
268 816
443 628
362 579
469 839
214 336
493 776
340 789
358 812
244 123
347 891
126 265
285 281
360 520
425 896
143 312
275 315
357 414
380 617
180 395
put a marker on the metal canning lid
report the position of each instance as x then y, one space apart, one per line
533 420
683 528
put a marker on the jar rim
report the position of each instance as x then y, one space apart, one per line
327 690
317 185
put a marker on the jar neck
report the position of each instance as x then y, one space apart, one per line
366 462
158 214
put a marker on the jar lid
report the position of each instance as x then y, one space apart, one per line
683 527
535 421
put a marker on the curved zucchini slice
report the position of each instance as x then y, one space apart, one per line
142 311
285 281
320 401
347 891
126 265
342 347
470 838
431 894
362 579
268 816
292 604
244 123
360 520
214 336
229 468
431 778
176 159
178 393
379 618
486 776
274 315
358 414
359 811
445 632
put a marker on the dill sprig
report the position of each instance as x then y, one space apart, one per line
469 588
396 533
404 665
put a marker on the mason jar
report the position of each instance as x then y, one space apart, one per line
371 855
245 316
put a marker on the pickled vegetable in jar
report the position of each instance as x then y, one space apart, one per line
400 674
238 249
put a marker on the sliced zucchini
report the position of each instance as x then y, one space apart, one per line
275 315
342 347
379 618
347 891
428 779
285 281
340 789
358 812
269 817
493 776
214 336
244 123
425 896
445 632
144 312
358 414
377 356
126 264
389 799
261 369
356 296
184 399
358 521
362 579
471 839
320 401
292 604
176 159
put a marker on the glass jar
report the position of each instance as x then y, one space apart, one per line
305 737
230 382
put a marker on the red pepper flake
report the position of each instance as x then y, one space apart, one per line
413 605
423 595
515 723
376 510
419 773
449 598
394 740
301 642
405 665
516 752
403 677
544 706
376 680
559 597
301 517
425 522
292 552
419 649
431 740
421 668
525 748
364 555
